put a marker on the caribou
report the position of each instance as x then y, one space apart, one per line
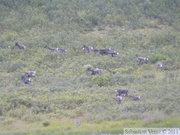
142 59
119 99
30 73
52 49
20 46
62 50
159 65
26 76
101 51
122 92
106 51
94 71
87 48
134 97
26 79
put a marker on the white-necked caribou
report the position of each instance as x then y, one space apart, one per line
142 59
94 71
52 49
159 65
87 48
20 46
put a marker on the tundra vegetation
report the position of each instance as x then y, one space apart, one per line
62 98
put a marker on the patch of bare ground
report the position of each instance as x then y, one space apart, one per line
14 125
153 117
18 123
149 116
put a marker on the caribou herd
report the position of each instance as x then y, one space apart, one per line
121 93
26 76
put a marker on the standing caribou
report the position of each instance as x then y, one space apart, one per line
159 65
30 73
55 49
52 49
122 92
26 79
119 99
87 48
142 59
94 71
20 46
62 50
134 97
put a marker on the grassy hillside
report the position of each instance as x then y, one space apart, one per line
63 98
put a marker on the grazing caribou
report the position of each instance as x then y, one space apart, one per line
52 49
135 97
142 59
26 79
30 73
103 51
122 92
94 71
62 50
159 65
107 51
20 46
87 48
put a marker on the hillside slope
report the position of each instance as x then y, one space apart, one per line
62 90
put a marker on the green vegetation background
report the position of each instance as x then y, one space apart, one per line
63 98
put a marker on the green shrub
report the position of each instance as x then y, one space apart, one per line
101 80
158 57
149 28
46 123
15 65
1 110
